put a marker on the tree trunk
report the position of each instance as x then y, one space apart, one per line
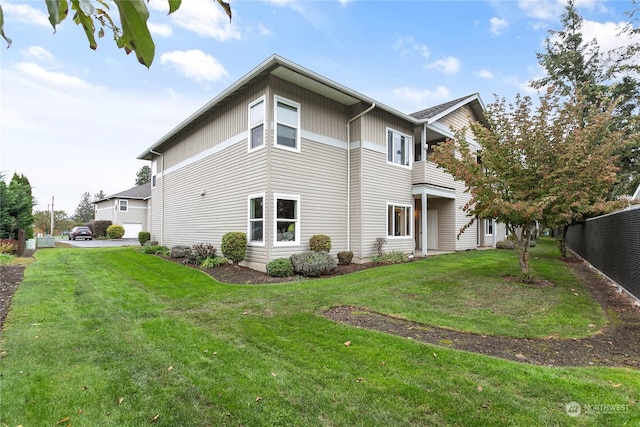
21 243
523 241
563 241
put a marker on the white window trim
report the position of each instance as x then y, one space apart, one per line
408 141
264 219
154 173
262 99
488 222
296 105
126 203
409 220
296 241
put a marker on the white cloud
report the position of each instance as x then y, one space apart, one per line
406 45
24 14
497 26
344 2
162 30
542 9
606 33
312 14
205 18
195 64
37 52
51 78
421 98
448 65
483 74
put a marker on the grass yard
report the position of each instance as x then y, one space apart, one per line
111 337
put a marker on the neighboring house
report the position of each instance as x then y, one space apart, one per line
128 208
285 153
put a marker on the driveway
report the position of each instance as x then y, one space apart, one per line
99 243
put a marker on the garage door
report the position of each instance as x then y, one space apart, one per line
131 229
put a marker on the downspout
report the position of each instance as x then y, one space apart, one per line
373 105
161 197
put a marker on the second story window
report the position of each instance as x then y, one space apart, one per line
124 205
256 124
287 120
398 148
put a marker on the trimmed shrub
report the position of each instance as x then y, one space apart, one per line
280 267
202 251
115 231
313 264
320 243
180 251
505 244
143 237
393 257
214 262
345 257
99 228
234 246
154 250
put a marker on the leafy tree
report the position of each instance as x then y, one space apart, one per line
133 33
143 176
61 221
577 68
16 206
544 164
85 211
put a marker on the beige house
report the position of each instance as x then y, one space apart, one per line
285 153
129 208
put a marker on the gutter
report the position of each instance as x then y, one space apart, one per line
373 105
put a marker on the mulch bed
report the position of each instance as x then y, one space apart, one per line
616 345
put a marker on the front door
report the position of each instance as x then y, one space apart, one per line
432 229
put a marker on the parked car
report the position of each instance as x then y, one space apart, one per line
80 233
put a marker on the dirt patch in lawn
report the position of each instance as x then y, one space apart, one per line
616 345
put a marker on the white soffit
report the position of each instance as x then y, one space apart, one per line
314 86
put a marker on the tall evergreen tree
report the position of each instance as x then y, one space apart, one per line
16 207
577 68
85 212
99 196
143 176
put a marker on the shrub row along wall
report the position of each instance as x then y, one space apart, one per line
611 243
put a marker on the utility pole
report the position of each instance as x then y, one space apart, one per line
52 211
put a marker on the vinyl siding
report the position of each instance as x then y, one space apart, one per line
446 222
460 118
227 121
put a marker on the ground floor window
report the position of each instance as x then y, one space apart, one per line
256 219
488 227
398 220
287 219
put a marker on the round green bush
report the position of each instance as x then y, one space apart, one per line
280 267
143 237
345 257
115 231
320 243
234 246
313 264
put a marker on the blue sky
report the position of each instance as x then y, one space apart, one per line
74 120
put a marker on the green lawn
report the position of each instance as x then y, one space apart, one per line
111 337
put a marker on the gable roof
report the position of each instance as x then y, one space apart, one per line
300 76
435 113
141 192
